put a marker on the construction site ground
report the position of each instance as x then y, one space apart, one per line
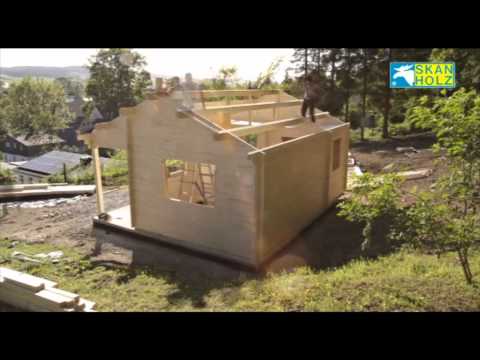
328 243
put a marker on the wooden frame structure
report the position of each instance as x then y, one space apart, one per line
273 169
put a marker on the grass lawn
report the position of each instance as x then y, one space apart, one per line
403 281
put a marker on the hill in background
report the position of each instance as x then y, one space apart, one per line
79 72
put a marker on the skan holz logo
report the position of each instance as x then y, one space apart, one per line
419 75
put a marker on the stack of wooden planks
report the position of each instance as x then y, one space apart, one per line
31 293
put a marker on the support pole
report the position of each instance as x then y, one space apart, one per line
98 179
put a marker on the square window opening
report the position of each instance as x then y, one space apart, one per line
190 182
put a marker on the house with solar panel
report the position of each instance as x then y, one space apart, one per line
37 170
25 147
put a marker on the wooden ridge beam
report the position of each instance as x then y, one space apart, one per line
254 106
221 93
268 126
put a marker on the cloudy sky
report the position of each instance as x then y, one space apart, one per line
202 63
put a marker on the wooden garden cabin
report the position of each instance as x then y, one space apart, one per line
237 175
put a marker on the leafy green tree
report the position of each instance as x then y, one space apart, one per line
367 59
6 177
72 87
117 79
348 76
34 106
224 79
467 65
301 59
448 217
373 199
265 79
227 74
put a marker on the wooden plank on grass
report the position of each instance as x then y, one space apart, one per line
27 281
68 294
55 299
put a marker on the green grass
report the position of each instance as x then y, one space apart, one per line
403 281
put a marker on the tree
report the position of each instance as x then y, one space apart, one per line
34 106
72 87
467 65
6 176
227 73
117 79
446 218
348 71
266 77
222 80
391 104
367 59
301 59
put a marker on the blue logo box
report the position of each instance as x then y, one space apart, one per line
422 75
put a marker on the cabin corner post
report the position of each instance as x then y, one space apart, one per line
98 178
259 160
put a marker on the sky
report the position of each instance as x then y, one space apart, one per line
202 63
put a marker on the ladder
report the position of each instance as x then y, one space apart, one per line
207 182
198 177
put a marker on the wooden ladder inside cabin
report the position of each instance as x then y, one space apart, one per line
198 176
207 182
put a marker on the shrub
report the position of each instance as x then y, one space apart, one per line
6 177
447 218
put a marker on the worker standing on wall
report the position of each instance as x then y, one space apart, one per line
311 97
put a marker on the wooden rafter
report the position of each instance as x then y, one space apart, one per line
265 127
255 106
205 94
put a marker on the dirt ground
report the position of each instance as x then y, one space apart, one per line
374 156
329 242
65 224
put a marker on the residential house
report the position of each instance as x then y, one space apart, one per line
24 147
39 169
79 122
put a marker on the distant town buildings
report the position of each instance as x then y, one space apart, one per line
24 147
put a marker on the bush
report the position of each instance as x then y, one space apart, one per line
6 177
114 173
447 218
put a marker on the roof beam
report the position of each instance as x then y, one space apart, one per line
263 151
268 126
255 106
220 93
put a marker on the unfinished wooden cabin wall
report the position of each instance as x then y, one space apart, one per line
229 228
295 189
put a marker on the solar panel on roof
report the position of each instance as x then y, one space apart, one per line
52 162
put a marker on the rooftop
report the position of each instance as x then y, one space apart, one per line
41 139
52 162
